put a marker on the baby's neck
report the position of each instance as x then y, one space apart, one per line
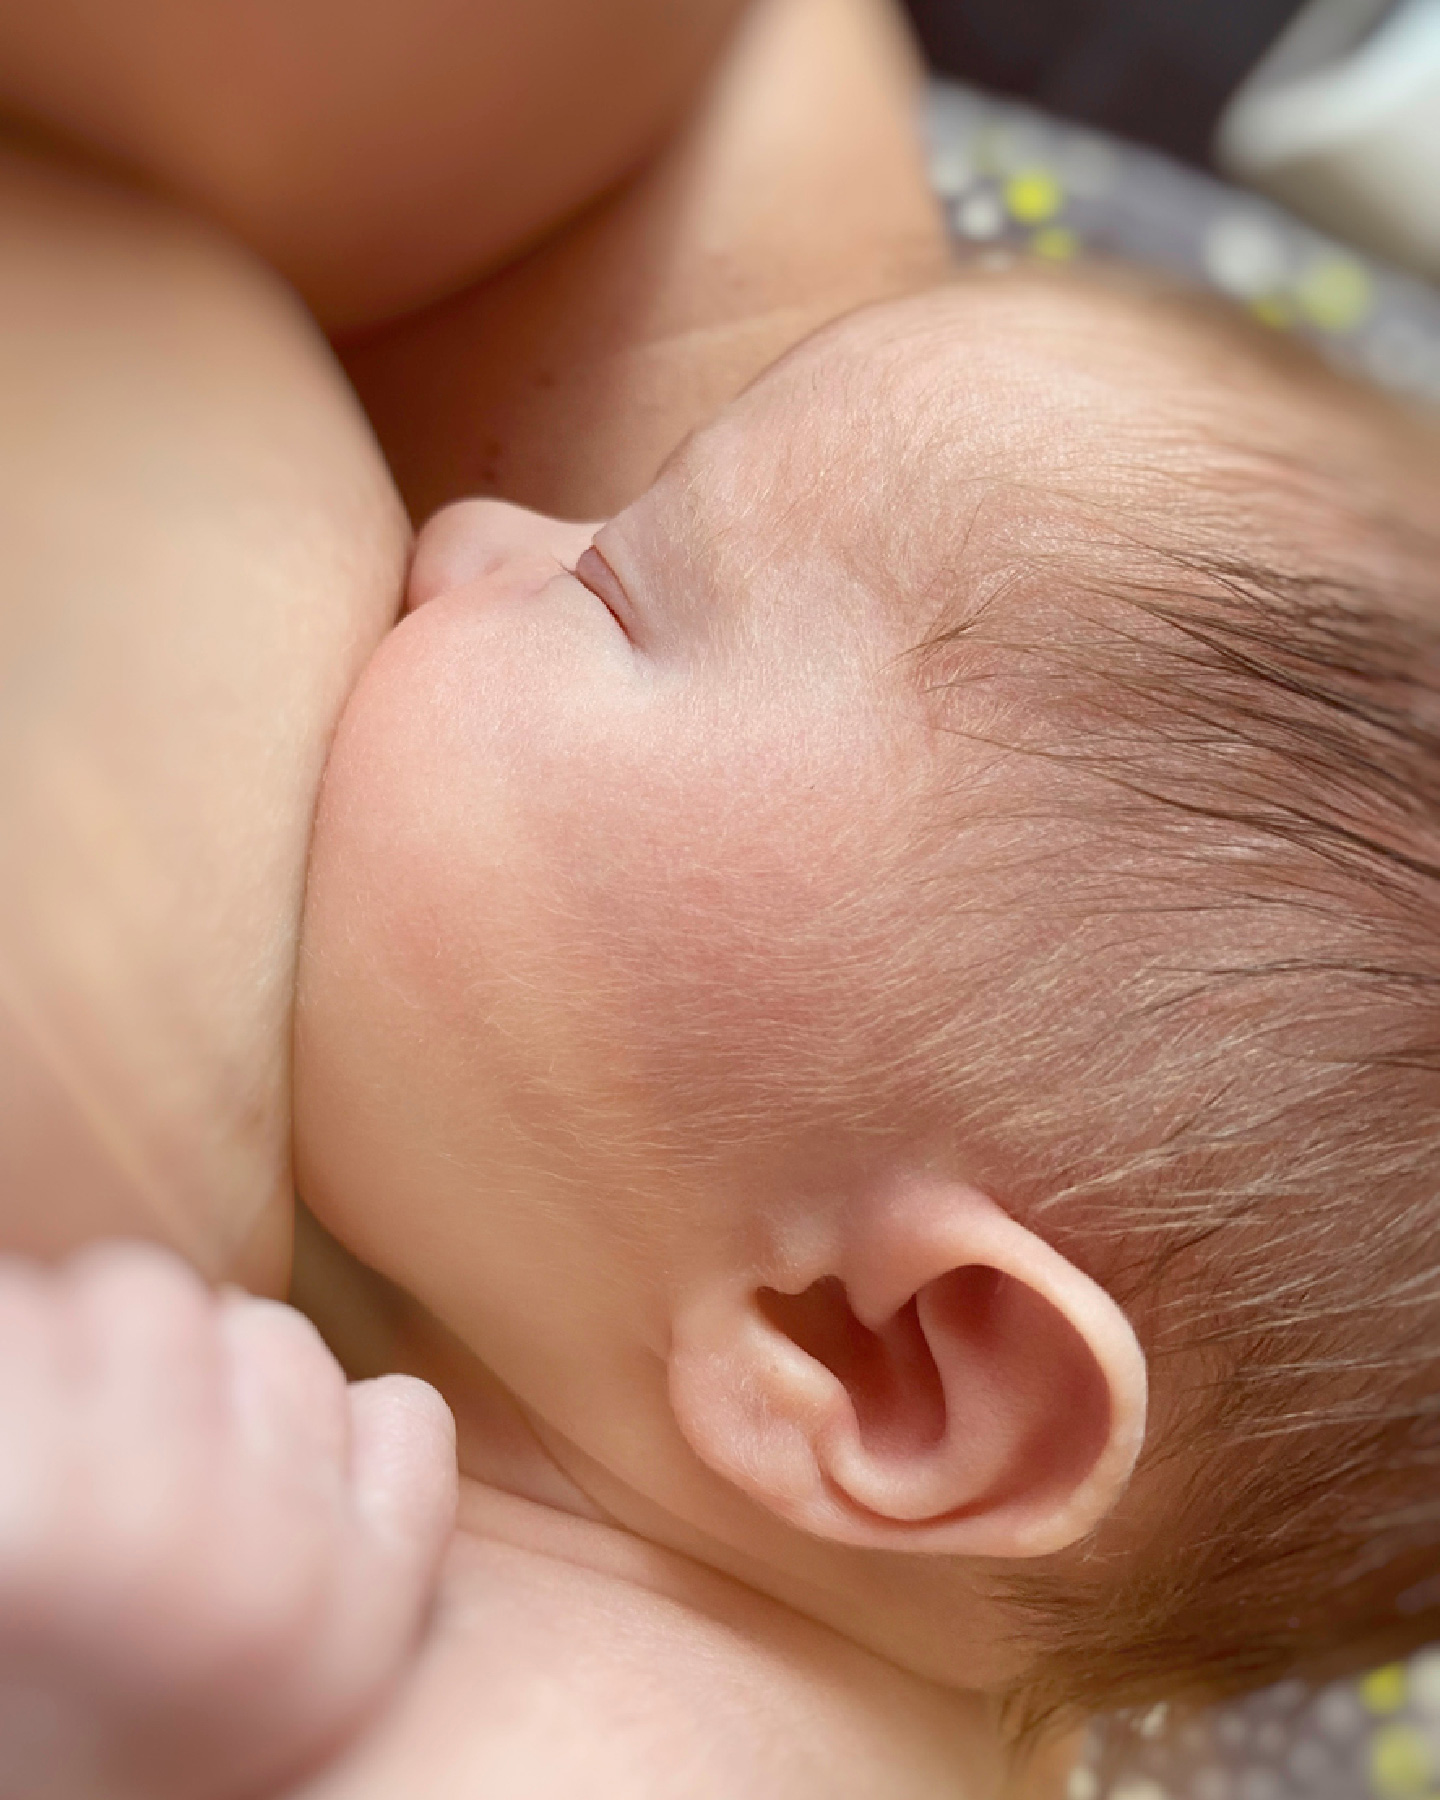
729 1693
374 1329
795 1671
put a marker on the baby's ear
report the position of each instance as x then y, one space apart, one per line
940 1380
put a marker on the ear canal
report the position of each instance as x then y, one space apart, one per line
889 1375
976 1407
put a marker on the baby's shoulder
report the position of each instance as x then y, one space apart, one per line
566 1657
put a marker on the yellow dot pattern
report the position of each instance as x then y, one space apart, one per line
1384 1691
1275 310
1033 196
1402 1764
1056 243
1376 1737
1335 293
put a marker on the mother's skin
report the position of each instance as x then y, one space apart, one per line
203 541
375 154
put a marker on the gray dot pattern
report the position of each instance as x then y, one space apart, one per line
1015 182
1374 1738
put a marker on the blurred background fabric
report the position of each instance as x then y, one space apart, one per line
1373 1738
1015 180
1331 107
1156 72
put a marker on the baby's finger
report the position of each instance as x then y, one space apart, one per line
402 1470
144 1403
402 1511
29 1341
143 1325
286 1391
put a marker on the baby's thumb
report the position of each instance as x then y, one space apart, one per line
402 1471
403 1490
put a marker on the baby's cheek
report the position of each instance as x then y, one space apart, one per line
564 916
737 932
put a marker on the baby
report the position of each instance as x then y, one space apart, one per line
851 1012
927 912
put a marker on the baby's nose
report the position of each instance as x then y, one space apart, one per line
475 539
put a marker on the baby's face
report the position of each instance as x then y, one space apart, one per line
616 946
606 889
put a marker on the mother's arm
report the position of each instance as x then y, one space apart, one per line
200 547
795 192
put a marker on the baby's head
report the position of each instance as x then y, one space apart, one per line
934 912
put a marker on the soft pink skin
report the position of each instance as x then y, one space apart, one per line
590 888
625 918
214 1555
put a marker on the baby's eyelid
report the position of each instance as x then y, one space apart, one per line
593 572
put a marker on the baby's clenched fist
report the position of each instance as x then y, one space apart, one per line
214 1554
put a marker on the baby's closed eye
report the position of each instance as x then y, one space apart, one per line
594 572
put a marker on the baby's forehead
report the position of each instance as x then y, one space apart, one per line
918 440
884 451
877 429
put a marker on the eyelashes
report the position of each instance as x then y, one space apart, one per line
593 572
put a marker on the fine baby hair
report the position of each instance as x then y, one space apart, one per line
1201 636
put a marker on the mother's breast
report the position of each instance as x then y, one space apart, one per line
200 548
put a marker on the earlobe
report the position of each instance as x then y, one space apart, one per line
951 1383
